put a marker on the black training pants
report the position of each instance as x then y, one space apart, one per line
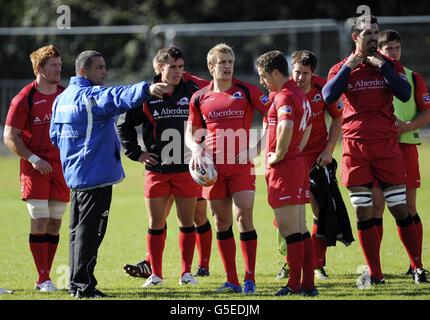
89 213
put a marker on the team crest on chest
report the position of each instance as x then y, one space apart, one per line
237 95
184 101
317 98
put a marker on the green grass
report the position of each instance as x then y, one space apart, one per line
125 242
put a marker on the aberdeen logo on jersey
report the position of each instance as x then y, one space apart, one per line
426 98
184 101
237 95
167 112
226 114
46 118
368 84
339 105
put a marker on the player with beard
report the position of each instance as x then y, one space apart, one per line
367 82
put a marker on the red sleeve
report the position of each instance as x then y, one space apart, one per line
422 97
333 72
335 109
272 95
17 115
259 100
198 81
319 81
195 116
284 107
398 67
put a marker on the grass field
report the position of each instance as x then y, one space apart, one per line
125 242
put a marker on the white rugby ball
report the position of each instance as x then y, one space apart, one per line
203 171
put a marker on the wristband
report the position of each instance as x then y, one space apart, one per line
33 159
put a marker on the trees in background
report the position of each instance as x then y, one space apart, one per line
126 54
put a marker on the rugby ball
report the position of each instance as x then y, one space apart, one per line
203 171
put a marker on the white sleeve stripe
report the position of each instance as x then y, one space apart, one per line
89 104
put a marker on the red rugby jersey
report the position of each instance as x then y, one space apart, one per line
227 116
368 102
319 135
422 97
34 123
288 104
186 76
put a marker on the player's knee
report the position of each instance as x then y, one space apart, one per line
39 225
156 224
38 209
54 226
200 216
303 227
412 208
222 223
200 220
56 209
361 199
395 197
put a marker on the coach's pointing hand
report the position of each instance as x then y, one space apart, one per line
158 89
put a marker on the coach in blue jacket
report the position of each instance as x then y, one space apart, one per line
83 128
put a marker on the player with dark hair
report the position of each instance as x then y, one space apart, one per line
166 177
320 145
43 188
367 82
411 116
225 110
286 172
83 128
142 269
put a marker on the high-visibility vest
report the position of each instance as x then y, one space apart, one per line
407 111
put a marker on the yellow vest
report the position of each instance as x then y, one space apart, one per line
407 111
